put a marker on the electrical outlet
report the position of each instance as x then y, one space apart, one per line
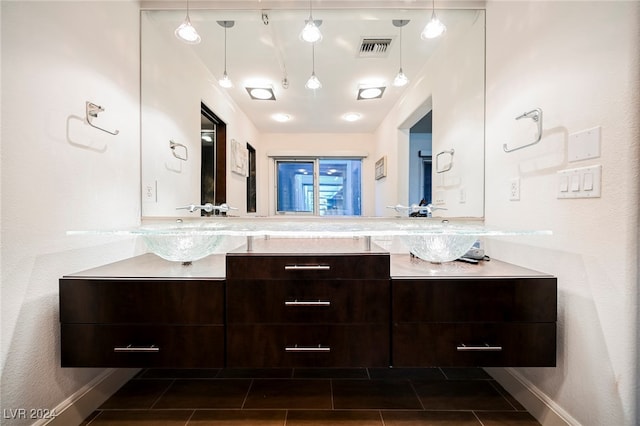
149 191
514 189
463 196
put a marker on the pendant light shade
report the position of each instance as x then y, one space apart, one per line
311 31
435 27
225 81
313 83
186 32
400 79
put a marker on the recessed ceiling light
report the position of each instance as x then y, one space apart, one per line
351 116
261 93
370 92
282 118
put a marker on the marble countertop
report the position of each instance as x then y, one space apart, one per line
150 266
406 266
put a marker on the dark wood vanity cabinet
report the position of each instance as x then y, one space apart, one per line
474 322
329 308
308 310
142 323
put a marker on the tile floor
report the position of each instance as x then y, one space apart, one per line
319 397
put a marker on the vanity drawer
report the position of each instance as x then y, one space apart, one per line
477 345
477 300
308 301
308 267
141 301
93 345
266 346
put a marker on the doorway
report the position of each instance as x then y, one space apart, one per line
420 160
213 164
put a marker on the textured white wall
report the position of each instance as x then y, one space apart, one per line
59 174
579 62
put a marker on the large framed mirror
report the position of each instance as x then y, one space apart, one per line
360 48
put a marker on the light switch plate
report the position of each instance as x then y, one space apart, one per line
514 189
584 144
150 191
583 182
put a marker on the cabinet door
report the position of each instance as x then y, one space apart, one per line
141 301
308 266
308 301
150 346
277 345
475 300
474 345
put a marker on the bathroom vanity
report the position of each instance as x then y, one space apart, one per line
307 303
291 304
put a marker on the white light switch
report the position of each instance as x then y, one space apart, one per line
583 182
575 183
587 183
564 183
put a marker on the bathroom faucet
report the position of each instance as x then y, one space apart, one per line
207 207
414 208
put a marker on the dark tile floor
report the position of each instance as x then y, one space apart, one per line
318 397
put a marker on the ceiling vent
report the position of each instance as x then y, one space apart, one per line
374 47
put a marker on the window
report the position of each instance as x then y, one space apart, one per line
319 186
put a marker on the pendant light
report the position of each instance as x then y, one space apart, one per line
401 79
225 81
313 83
186 32
311 33
434 27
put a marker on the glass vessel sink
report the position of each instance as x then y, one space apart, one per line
431 239
439 248
182 242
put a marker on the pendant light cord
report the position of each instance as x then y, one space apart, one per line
225 49
400 47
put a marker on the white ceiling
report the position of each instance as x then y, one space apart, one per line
266 53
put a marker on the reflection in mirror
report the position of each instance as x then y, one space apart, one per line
420 162
446 73
212 171
252 189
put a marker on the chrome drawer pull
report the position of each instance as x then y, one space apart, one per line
152 348
307 303
297 348
307 267
485 348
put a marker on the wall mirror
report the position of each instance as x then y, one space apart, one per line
360 48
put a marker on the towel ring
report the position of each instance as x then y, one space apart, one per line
535 115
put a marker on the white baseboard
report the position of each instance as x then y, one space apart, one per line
539 405
76 408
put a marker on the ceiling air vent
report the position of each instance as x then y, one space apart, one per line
374 47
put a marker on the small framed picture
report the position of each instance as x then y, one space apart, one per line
239 158
381 167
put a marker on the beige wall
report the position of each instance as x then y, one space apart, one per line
59 174
579 62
